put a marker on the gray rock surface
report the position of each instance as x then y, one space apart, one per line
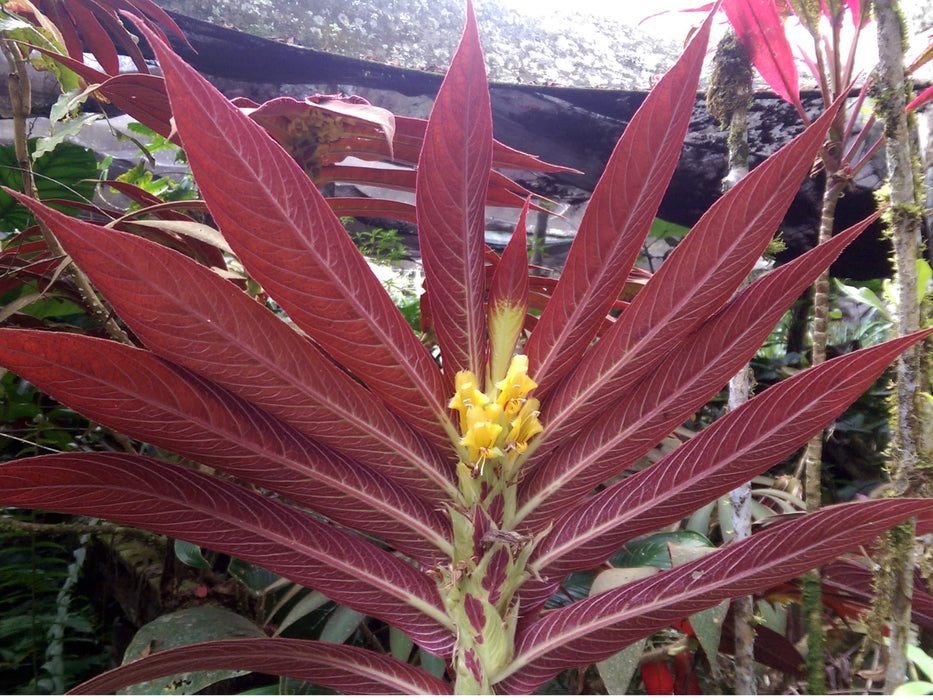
565 47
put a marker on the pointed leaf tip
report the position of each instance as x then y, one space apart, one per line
452 182
291 241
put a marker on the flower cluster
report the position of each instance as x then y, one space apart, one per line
496 430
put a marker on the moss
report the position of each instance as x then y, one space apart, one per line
812 598
775 247
730 85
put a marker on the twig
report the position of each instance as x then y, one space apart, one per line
20 101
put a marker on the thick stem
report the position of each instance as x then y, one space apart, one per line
728 99
539 238
908 425
740 499
20 100
812 594
813 455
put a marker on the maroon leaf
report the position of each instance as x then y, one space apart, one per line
595 628
133 391
855 578
186 313
370 206
290 241
95 38
760 29
616 220
140 95
453 176
700 274
686 378
409 136
337 666
770 647
396 179
213 513
741 444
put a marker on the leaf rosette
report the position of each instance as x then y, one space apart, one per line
479 475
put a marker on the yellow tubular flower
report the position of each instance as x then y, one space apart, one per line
524 427
482 432
468 396
515 386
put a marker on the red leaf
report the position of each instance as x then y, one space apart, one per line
855 578
213 513
696 279
409 135
761 30
616 220
95 38
688 680
370 206
741 444
135 392
293 244
186 313
453 176
140 95
921 99
595 628
337 666
770 648
666 396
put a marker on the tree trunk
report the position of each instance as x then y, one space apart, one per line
908 424
728 99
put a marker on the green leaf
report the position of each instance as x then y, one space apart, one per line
653 549
924 273
190 555
400 644
914 688
305 606
67 172
255 578
341 624
617 670
921 660
434 665
183 627
18 29
62 131
866 296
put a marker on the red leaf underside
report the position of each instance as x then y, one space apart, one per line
290 241
336 666
452 179
682 382
186 313
595 628
213 513
616 220
135 392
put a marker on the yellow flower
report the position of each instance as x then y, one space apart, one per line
515 386
482 433
524 427
468 396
